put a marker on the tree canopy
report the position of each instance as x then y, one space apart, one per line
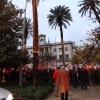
91 6
89 52
59 16
10 34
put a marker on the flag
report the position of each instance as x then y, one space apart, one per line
69 66
86 65
94 67
53 62
40 67
23 67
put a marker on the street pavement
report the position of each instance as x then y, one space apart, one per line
92 93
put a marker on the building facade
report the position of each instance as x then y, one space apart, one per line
54 49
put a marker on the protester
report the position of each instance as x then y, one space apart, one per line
23 77
50 75
83 77
55 76
45 76
74 77
27 75
63 82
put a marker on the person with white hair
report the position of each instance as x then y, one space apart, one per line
63 82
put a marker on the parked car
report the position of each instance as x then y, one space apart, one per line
5 94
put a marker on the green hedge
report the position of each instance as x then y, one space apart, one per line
28 91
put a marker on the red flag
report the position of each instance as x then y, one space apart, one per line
40 67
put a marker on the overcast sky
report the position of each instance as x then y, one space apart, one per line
75 32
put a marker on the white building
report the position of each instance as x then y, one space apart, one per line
55 49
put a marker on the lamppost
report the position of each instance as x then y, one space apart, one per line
22 45
56 50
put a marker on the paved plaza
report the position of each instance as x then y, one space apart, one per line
92 93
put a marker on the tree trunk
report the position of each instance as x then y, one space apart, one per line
25 40
20 74
62 43
35 43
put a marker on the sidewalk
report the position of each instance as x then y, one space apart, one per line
92 93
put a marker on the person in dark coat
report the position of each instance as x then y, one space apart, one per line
83 77
74 77
45 76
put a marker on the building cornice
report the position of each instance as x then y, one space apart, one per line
52 44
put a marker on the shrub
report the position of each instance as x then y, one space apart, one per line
28 91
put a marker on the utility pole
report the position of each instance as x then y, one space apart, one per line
20 74
56 51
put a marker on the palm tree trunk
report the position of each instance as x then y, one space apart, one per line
35 43
62 43
25 40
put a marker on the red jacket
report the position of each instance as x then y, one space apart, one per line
55 75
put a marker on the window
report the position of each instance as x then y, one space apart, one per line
41 40
67 57
54 50
66 48
60 49
55 56
60 57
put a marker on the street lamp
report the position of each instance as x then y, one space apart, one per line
56 50
20 75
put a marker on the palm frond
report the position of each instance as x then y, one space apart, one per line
66 22
58 15
65 26
90 12
89 5
81 10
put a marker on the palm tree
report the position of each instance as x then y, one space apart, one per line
90 5
59 16
28 29
35 42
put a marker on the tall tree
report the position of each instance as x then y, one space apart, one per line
90 5
10 36
59 16
27 30
46 58
89 52
35 43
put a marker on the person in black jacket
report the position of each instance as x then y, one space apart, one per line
83 76
74 77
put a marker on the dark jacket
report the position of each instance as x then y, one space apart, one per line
83 74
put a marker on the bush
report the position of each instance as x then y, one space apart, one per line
28 91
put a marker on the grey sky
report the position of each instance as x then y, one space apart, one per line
75 32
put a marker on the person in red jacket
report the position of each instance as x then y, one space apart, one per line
55 76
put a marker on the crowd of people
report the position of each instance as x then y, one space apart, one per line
76 76
12 75
84 76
